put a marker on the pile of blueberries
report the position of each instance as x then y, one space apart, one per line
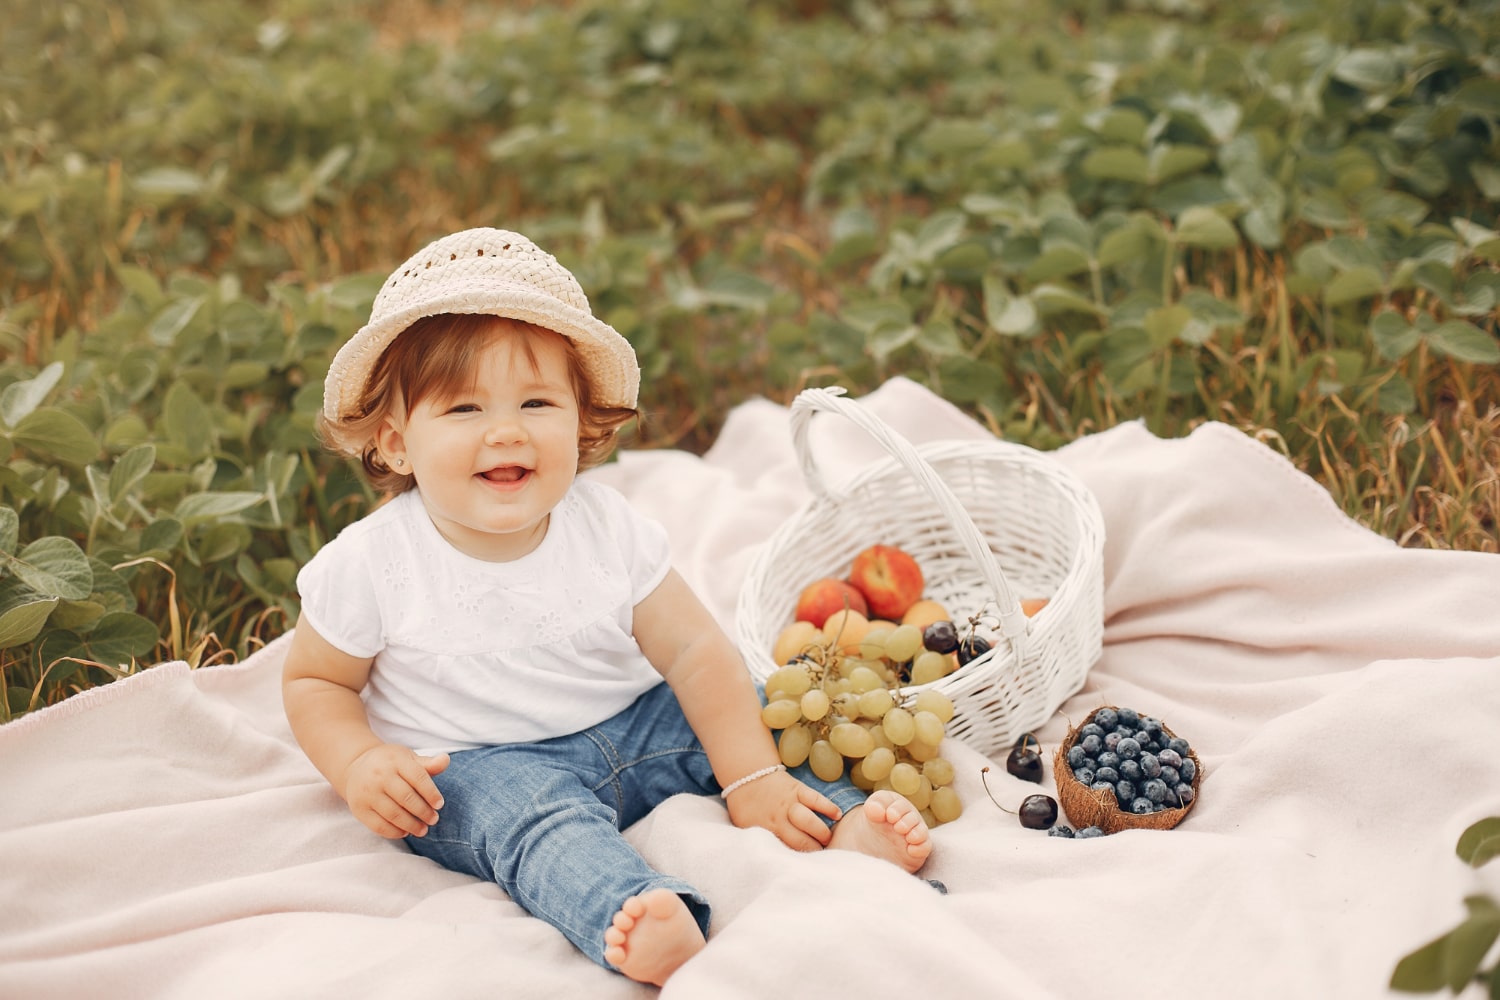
1131 756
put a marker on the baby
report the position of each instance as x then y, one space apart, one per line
506 646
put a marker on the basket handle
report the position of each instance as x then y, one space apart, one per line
1014 624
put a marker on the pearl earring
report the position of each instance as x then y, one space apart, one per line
398 462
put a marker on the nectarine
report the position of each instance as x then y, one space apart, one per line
889 578
822 598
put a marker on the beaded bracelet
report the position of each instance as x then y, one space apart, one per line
752 776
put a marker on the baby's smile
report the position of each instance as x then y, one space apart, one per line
505 474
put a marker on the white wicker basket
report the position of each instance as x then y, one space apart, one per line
960 508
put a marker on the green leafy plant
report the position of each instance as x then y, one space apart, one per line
1455 960
1059 216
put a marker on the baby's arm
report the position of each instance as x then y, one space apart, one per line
704 670
388 787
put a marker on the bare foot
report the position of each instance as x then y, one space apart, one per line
887 826
653 934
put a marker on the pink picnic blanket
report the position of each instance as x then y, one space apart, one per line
164 837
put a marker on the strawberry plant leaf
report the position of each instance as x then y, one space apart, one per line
1478 843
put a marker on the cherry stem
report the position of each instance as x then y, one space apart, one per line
986 782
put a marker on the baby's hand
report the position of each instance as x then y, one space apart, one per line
390 789
785 806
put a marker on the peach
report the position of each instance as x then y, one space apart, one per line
924 613
1031 605
822 598
793 639
845 628
889 578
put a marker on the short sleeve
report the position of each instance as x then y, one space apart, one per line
338 598
641 541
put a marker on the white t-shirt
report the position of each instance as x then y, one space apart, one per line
469 653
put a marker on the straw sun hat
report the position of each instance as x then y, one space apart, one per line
491 272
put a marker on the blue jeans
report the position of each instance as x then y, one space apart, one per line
544 820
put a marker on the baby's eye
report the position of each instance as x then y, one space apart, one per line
463 408
532 404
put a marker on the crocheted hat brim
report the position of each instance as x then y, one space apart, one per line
465 286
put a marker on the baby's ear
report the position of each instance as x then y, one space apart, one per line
389 440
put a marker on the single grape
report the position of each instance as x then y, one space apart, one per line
872 646
792 681
781 713
851 739
935 702
920 752
929 728
922 797
826 762
877 763
815 704
899 726
946 806
874 704
929 666
939 771
794 745
865 679
905 779
903 643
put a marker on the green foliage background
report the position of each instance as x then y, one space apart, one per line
1059 215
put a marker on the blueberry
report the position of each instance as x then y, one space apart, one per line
1184 793
1188 770
1103 786
1171 776
1076 756
1152 726
1038 812
1087 832
1109 758
1179 744
1108 775
1140 805
1084 775
1091 729
1150 765
1091 744
940 637
1107 718
1111 740
1061 830
1155 790
1124 791
1170 758
1128 747
1129 717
